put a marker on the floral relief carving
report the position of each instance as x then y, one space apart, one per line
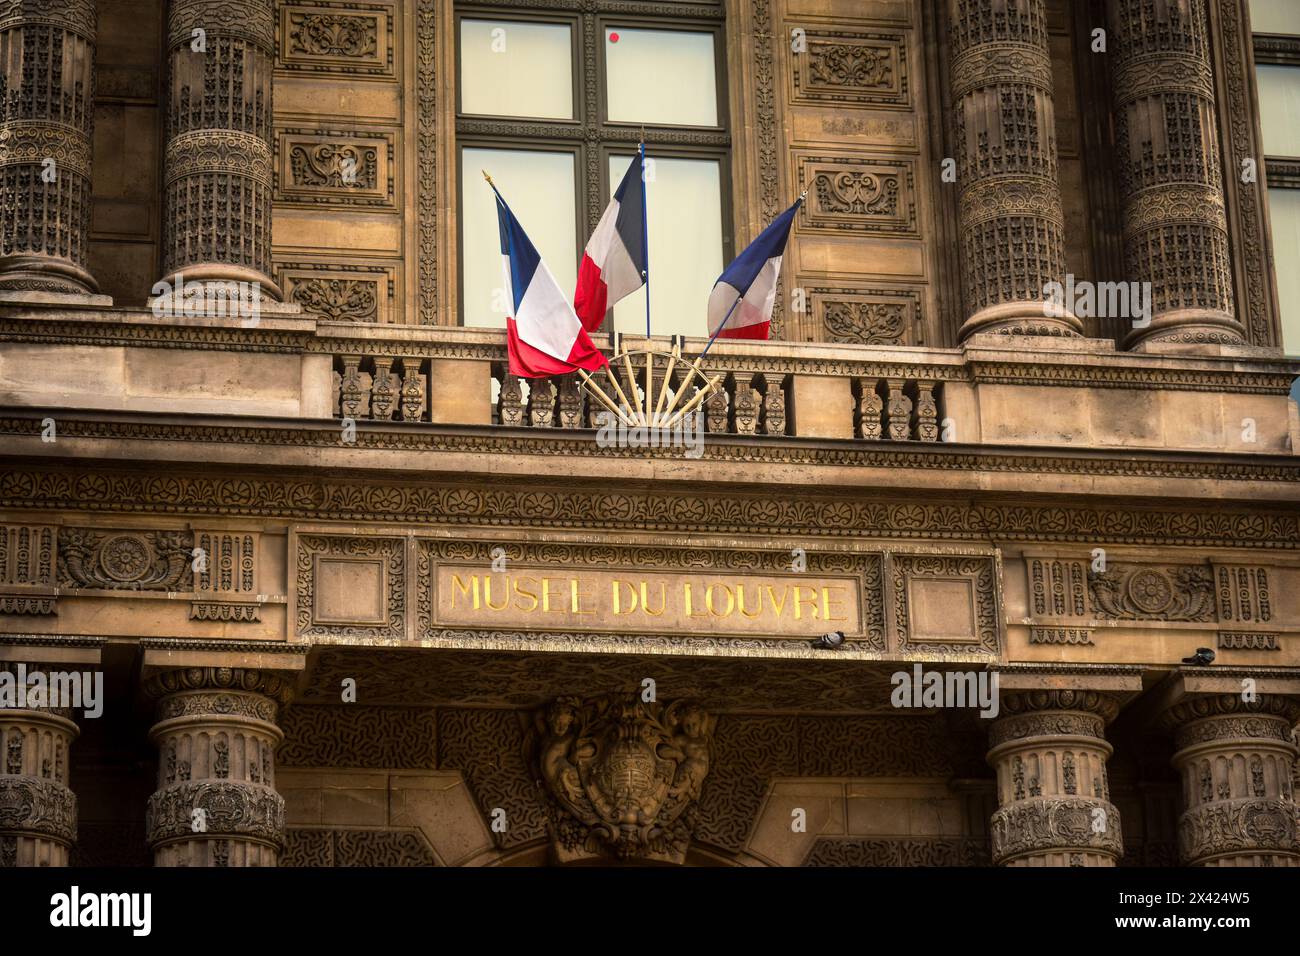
332 34
148 560
1129 592
338 300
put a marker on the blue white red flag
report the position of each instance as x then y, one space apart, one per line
544 335
613 264
752 277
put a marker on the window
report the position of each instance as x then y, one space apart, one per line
1276 28
552 105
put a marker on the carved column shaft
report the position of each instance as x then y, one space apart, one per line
216 734
1050 753
1175 227
1236 760
47 109
1012 222
218 179
38 812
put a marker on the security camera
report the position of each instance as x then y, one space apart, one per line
828 641
1202 656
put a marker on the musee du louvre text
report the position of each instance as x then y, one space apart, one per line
772 433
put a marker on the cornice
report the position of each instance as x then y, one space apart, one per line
1254 371
580 443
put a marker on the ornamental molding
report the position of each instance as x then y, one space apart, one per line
32 805
318 499
1053 824
247 810
500 442
1238 826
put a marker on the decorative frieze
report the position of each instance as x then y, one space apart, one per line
27 569
126 560
1061 635
1249 641
1145 593
47 97
1057 587
1243 594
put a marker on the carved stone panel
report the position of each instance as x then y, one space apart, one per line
349 38
851 193
335 168
851 68
947 604
27 566
1243 594
865 315
338 294
225 576
351 587
126 560
1057 587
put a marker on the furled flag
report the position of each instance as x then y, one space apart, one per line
752 277
613 264
544 335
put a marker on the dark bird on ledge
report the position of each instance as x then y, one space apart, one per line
1202 656
829 641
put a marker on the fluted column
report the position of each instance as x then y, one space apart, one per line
216 803
217 164
38 812
1175 227
1049 752
1012 222
1236 759
47 108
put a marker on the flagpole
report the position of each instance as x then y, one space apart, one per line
713 338
645 233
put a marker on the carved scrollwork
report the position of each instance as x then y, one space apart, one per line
1237 826
1129 592
247 810
621 774
1054 823
33 805
152 560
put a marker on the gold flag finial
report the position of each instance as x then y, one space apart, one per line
487 177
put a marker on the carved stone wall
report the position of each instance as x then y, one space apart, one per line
1050 752
38 811
1237 759
47 93
1166 129
216 802
1005 127
218 168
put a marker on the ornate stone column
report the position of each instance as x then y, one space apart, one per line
1049 751
1236 759
1175 227
216 734
217 165
47 108
38 812
1010 201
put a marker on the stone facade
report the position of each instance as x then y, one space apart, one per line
368 599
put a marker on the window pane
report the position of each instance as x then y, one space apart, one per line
516 69
1279 109
1275 16
684 200
1284 211
539 188
660 76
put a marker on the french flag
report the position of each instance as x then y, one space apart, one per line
740 305
544 335
613 264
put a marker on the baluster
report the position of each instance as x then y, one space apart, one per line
747 404
774 406
900 411
541 403
355 389
414 390
570 402
870 408
384 391
927 412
